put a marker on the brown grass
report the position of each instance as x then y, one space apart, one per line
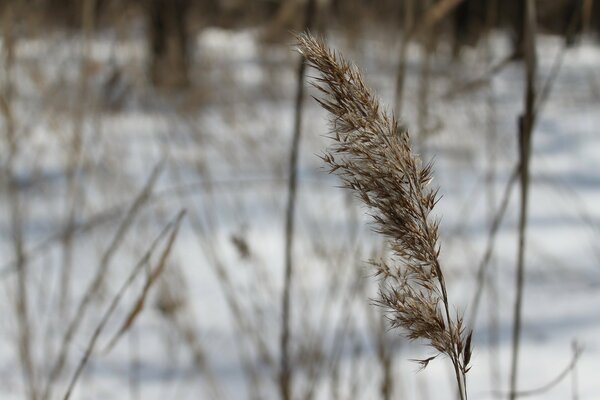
372 156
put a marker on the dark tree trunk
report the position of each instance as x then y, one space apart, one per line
168 43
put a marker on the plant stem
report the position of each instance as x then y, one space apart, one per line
525 130
285 375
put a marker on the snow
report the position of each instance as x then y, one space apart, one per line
225 151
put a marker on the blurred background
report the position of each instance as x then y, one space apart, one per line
168 231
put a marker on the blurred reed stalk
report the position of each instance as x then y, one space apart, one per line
74 191
491 144
407 28
372 156
426 27
152 274
94 286
15 206
526 122
285 373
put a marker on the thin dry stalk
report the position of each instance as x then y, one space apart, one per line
285 374
315 337
485 79
424 26
173 228
202 223
407 27
98 219
569 369
540 101
317 343
385 355
574 380
546 88
490 244
372 156
172 304
15 208
74 192
385 359
526 122
423 100
96 283
491 145
140 302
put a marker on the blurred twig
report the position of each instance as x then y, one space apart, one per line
96 283
526 122
74 193
551 384
15 207
173 228
539 102
489 248
285 377
407 27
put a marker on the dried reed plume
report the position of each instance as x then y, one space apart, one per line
373 157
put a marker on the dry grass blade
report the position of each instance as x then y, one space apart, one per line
577 351
373 157
16 212
150 280
96 283
172 303
173 227
526 124
489 247
285 374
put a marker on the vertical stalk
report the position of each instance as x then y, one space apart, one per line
74 193
526 121
385 359
455 355
430 37
574 380
16 209
285 375
407 32
491 144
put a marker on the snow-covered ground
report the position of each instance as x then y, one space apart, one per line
223 150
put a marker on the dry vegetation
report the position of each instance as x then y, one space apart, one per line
373 157
166 232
